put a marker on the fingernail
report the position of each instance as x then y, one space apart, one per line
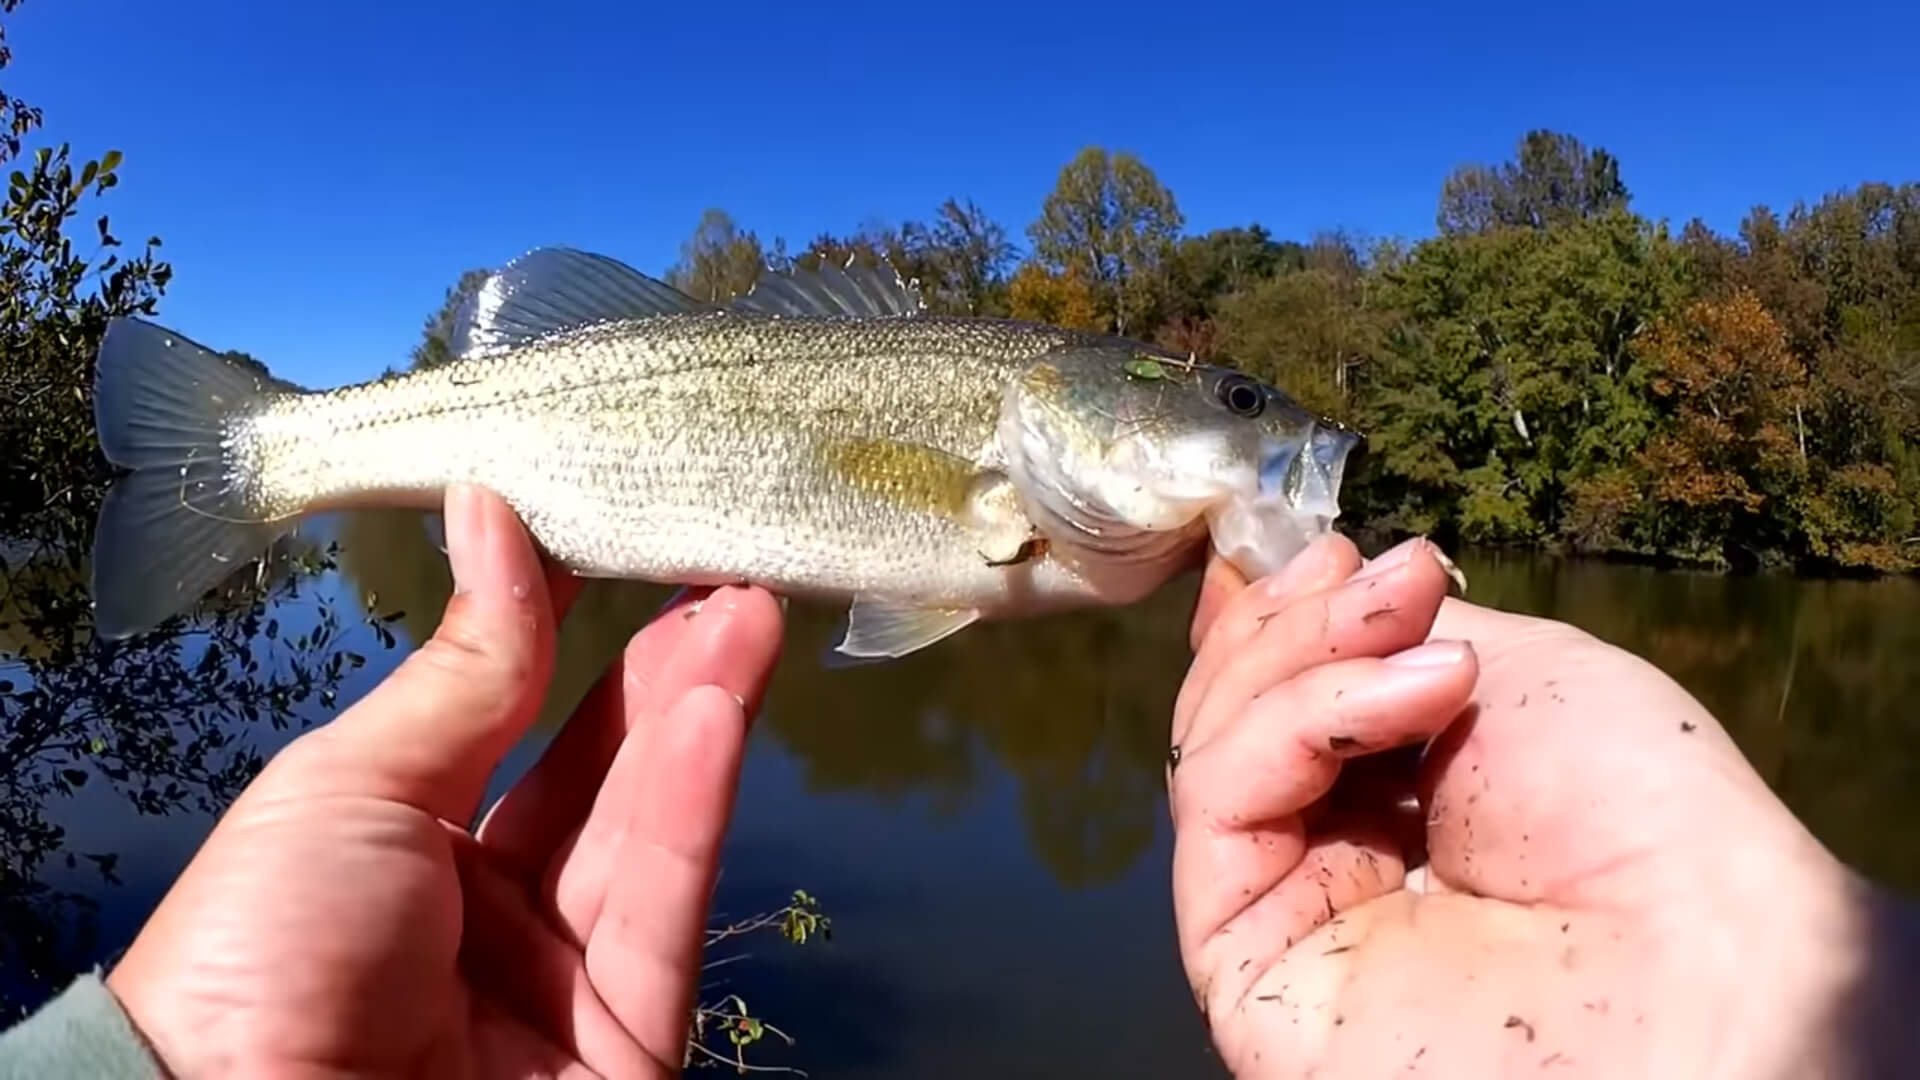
1432 654
1397 555
466 539
1455 575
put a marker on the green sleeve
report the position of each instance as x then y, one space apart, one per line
82 1032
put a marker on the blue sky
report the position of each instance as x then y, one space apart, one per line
321 173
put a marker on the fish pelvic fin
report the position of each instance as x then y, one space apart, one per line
552 290
886 630
856 291
177 525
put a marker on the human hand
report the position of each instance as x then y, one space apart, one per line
1609 888
341 920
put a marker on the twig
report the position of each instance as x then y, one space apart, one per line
740 1064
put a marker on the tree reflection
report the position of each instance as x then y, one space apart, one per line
163 720
1809 676
1073 707
166 721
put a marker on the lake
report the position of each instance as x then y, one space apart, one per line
985 821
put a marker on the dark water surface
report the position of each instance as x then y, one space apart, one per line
985 821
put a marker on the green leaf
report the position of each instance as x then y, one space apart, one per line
109 161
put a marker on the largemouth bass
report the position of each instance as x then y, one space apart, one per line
823 436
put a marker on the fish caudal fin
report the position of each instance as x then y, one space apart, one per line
176 526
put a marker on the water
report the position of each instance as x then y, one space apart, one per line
985 821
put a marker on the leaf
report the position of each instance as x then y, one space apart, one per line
109 161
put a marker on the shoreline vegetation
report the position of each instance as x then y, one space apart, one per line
1549 371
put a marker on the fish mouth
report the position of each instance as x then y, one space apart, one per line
1308 477
1294 502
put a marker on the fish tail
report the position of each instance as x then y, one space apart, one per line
179 523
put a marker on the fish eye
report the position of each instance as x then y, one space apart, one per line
1241 395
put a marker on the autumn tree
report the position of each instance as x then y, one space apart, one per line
719 261
1725 466
1059 299
1110 220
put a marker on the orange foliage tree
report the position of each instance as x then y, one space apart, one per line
1732 455
1061 299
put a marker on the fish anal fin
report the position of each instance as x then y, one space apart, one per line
887 629
555 289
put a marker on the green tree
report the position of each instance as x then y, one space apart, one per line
433 349
1311 330
970 258
1510 373
1553 180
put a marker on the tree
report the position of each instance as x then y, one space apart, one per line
1309 330
1510 373
1554 180
1060 299
152 718
1111 220
719 261
434 348
971 257
1732 453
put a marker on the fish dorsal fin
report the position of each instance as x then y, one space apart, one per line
553 289
859 291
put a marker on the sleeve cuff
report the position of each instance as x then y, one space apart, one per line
82 1032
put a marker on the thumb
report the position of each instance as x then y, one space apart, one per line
433 731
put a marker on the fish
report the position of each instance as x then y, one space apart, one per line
823 435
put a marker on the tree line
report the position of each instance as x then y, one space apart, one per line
1549 369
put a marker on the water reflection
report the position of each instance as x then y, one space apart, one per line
1814 679
1073 707
1811 677
985 820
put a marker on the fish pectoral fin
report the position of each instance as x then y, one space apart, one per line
1027 549
553 289
859 291
1005 535
885 629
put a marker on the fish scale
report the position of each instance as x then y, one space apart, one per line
829 441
